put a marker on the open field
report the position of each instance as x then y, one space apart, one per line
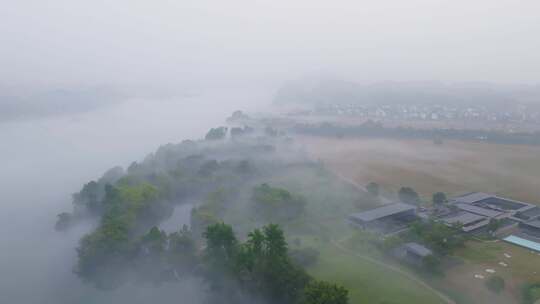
368 282
454 167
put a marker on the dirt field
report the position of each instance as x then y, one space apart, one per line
454 167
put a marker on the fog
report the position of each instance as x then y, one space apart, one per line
47 159
85 86
174 43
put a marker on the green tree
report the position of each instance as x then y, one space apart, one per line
256 240
101 254
276 204
65 220
216 133
493 225
320 292
408 195
275 244
154 241
439 198
221 244
373 189
438 236
182 250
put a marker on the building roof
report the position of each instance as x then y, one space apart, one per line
493 200
479 210
472 197
523 242
464 218
529 214
505 204
533 223
418 249
470 221
384 211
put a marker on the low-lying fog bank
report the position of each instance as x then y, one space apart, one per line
46 160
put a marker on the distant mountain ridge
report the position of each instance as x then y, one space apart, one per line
16 105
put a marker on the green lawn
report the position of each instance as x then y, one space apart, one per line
367 282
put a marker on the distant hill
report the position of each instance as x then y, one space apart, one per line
17 104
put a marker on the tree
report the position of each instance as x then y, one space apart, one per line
438 236
256 240
276 204
408 195
65 220
275 244
154 241
373 188
182 250
208 168
495 284
102 254
238 116
493 225
320 292
216 133
237 131
220 241
439 198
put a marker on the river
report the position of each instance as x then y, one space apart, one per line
45 160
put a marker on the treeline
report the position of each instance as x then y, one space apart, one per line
374 129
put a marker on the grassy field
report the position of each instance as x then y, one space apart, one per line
454 167
367 282
521 267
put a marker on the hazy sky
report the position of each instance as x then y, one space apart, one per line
188 41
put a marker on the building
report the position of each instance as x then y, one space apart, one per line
475 210
468 221
531 229
412 253
387 219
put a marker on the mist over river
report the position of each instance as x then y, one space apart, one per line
45 160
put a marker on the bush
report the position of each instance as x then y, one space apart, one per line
216 133
531 293
276 204
409 196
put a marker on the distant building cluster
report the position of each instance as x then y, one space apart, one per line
518 114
